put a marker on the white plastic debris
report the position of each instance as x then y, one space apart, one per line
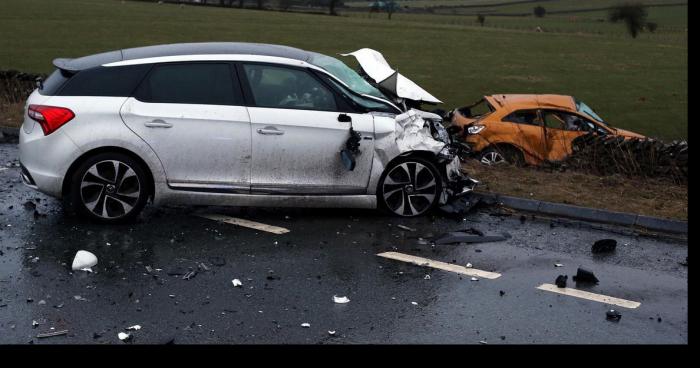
469 265
330 332
306 325
35 323
414 303
84 261
134 328
558 265
475 279
427 277
124 336
341 299
237 283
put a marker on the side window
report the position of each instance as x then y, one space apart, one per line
193 83
567 121
288 88
523 117
116 81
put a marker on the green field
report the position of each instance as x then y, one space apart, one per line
639 84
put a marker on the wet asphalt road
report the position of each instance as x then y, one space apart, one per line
291 279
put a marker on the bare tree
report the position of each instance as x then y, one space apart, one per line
633 14
481 19
539 11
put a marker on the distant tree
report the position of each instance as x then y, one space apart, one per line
481 19
539 11
260 3
331 7
391 7
633 14
240 3
651 26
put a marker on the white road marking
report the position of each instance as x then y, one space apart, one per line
590 296
420 261
245 223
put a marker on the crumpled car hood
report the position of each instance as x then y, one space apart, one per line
376 67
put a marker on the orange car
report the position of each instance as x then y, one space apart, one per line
528 128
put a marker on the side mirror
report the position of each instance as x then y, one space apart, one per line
344 118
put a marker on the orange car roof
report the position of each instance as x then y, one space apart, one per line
516 102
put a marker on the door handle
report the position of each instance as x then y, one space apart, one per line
270 130
158 123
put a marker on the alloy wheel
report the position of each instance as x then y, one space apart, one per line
409 189
492 158
110 189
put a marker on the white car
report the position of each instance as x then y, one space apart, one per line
237 124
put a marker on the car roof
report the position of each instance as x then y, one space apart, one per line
521 101
180 49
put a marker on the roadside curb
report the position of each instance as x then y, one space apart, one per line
586 213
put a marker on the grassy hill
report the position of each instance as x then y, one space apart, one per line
639 84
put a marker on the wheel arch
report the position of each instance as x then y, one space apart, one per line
65 189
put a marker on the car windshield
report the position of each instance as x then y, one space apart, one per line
346 74
584 109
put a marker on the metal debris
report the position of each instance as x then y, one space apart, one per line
189 275
405 228
51 334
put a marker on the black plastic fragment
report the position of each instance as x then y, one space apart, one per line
585 276
613 315
466 237
604 246
561 281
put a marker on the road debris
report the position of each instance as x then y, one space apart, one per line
558 265
613 315
468 237
236 283
414 303
474 279
405 228
340 299
84 261
51 334
35 324
331 332
604 246
189 275
427 277
133 328
561 281
305 325
125 337
585 276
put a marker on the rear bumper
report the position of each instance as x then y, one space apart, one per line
45 159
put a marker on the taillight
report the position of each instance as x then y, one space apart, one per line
50 117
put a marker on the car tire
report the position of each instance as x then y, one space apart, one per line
413 181
501 155
109 188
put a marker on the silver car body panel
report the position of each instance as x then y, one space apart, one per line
215 164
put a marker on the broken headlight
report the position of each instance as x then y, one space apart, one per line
475 129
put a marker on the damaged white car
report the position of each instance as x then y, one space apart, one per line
235 124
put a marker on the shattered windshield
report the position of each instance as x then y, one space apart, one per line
346 74
584 109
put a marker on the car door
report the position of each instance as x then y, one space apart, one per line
193 117
561 129
526 131
298 131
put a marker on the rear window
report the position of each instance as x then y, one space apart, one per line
117 81
195 83
54 82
